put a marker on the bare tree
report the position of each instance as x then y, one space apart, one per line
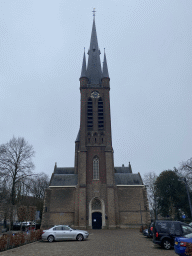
187 165
186 169
149 181
16 165
38 185
5 205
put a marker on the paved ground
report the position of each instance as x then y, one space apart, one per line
100 243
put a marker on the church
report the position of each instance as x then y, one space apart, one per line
94 194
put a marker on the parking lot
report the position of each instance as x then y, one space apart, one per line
100 242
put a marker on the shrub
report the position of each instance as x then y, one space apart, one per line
3 242
14 240
20 238
188 250
38 234
32 236
10 241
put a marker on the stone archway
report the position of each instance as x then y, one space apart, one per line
97 211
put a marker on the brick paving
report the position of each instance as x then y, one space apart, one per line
100 242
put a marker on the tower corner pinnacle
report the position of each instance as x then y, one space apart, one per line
83 69
105 68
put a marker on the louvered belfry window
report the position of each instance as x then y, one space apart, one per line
96 168
100 115
89 114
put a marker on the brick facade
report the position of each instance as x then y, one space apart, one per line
75 195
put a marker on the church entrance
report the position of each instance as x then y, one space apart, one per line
97 213
96 220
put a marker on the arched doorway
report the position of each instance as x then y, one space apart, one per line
96 213
96 220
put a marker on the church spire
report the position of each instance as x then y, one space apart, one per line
94 72
105 68
83 70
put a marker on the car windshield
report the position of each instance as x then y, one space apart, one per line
187 229
188 235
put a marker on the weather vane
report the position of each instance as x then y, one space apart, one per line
94 12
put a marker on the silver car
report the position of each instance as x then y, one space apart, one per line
64 232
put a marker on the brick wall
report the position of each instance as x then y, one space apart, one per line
59 207
132 205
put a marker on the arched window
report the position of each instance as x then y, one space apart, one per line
96 168
89 114
96 204
100 115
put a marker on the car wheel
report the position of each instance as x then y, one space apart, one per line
166 244
50 239
79 237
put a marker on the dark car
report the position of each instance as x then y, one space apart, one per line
149 231
16 225
28 225
181 243
165 232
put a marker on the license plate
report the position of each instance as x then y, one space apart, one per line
176 243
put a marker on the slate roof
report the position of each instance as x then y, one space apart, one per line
64 180
66 170
128 179
122 169
64 177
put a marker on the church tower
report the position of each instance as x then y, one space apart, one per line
94 194
94 161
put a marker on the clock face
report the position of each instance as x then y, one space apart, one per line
95 94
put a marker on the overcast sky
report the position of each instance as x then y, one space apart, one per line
148 46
